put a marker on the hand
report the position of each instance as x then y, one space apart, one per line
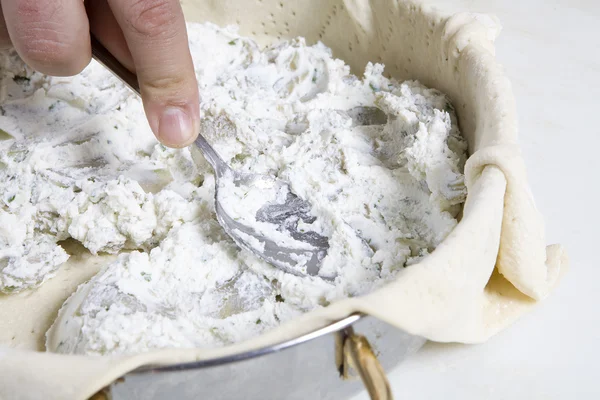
148 36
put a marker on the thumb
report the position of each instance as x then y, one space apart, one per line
156 35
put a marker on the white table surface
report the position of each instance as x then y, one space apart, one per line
551 52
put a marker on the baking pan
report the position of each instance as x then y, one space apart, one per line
325 364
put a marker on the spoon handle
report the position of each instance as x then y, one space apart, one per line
104 57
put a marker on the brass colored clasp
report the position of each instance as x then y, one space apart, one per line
353 352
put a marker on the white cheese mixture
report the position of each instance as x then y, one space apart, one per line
73 153
380 161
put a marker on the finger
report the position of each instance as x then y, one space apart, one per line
52 36
4 38
106 29
156 35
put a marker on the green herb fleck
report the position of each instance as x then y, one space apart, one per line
314 78
20 79
241 157
116 127
232 43
373 87
323 302
147 277
11 198
9 289
279 299
258 321
52 106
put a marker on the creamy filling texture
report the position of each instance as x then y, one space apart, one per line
380 162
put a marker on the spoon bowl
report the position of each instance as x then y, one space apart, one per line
271 232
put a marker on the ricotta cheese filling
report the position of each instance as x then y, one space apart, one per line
380 162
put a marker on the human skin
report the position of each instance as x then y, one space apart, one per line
148 36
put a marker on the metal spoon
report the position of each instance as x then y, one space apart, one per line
306 258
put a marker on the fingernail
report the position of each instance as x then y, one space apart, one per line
175 127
